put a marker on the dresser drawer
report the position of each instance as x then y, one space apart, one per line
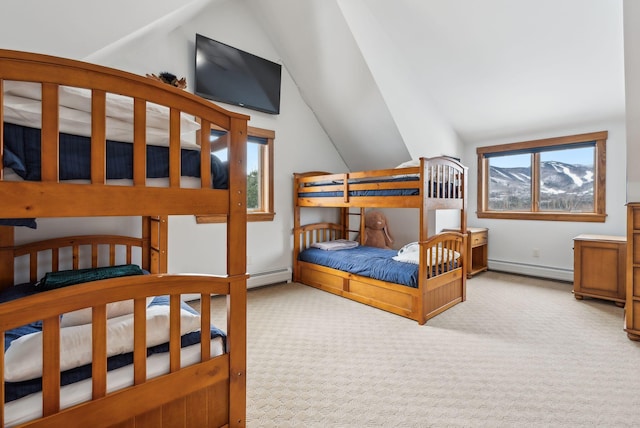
478 238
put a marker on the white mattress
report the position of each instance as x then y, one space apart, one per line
30 407
22 106
185 182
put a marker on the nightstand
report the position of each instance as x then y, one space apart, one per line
477 249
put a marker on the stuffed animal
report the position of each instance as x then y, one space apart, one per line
376 231
169 79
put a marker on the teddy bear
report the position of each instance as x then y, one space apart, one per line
376 231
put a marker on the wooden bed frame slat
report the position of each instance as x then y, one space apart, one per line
99 350
98 137
139 142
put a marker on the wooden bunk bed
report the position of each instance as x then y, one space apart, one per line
437 183
211 391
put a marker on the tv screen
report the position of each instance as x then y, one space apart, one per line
229 75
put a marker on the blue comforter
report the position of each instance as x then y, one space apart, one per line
366 261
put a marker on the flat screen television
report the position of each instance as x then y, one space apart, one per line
232 76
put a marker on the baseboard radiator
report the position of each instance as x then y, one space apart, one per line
258 279
532 270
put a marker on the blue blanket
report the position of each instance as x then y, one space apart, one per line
22 154
366 261
15 390
411 188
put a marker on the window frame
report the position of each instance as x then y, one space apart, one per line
535 147
266 171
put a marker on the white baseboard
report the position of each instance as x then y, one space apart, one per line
269 277
256 280
532 270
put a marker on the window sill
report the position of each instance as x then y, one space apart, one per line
577 217
221 218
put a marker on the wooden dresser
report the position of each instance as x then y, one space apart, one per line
632 308
599 267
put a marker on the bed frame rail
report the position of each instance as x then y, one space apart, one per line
442 253
441 184
51 198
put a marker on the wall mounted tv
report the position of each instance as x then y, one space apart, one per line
229 75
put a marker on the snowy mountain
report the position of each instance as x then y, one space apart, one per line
563 187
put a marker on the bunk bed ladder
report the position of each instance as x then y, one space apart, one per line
345 220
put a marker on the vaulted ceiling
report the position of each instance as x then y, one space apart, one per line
393 79
487 69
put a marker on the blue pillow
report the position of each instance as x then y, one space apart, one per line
165 300
13 161
27 222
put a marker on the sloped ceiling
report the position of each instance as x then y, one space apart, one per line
319 51
379 74
491 68
70 21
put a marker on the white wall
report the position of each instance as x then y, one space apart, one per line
511 242
300 142
424 130
632 91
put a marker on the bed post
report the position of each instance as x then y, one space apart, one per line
236 269
296 229
155 243
363 226
423 234
463 229
6 256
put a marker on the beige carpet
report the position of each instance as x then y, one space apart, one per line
519 352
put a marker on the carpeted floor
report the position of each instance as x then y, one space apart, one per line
520 352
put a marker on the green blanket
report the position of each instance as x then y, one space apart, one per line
53 280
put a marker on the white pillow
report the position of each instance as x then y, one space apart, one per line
84 316
410 253
118 106
23 358
410 164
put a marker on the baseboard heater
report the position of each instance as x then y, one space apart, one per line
269 277
532 270
256 280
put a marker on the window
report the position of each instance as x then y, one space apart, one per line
554 179
259 173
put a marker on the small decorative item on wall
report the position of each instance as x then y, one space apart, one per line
170 79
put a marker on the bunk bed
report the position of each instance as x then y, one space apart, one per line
438 280
181 370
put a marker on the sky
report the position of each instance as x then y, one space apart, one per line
252 157
582 156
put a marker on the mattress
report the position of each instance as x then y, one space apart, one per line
410 190
24 399
22 115
22 154
368 187
22 106
366 261
30 407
